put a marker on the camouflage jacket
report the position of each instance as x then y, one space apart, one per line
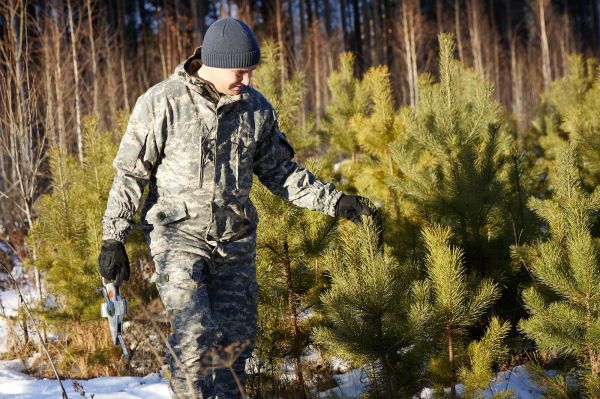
198 158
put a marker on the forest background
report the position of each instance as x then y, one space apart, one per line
451 135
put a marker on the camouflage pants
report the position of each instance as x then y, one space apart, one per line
213 312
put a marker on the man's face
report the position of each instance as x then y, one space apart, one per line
230 81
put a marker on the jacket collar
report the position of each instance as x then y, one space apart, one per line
186 70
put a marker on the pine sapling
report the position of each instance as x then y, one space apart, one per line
566 322
367 312
449 306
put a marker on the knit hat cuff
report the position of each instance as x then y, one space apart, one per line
231 60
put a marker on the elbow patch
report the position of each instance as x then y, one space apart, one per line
285 145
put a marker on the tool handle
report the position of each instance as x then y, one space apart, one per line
123 346
105 282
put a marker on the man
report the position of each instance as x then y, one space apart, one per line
197 138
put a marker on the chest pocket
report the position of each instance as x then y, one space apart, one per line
242 148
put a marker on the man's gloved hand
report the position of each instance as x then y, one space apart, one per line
352 207
113 262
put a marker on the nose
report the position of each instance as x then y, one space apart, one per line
246 78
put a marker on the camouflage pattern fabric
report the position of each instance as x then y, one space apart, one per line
212 306
197 152
198 159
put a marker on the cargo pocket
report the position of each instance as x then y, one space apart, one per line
176 288
164 213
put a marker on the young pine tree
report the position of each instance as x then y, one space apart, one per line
290 239
67 239
448 304
367 312
348 99
372 127
565 306
452 164
569 114
287 96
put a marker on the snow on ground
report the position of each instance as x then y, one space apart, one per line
10 302
350 385
16 385
516 380
9 307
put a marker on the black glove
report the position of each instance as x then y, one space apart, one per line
353 207
113 262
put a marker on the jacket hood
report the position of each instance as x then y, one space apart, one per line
186 70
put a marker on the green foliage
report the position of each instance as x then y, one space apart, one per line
287 96
446 305
66 237
452 163
569 114
371 124
348 98
567 263
290 242
66 240
554 385
376 126
289 273
367 310
67 234
482 355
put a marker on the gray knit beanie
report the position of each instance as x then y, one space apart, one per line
229 43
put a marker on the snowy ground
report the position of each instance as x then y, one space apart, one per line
351 383
9 307
14 384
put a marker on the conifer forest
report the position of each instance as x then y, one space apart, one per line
473 125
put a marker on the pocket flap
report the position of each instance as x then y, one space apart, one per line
168 212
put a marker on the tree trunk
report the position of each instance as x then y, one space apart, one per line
58 87
95 76
358 46
49 123
408 29
439 15
327 16
343 16
367 29
546 68
457 28
280 42
452 366
76 76
493 32
292 47
317 71
293 315
198 12
474 14
178 37
516 97
121 18
111 84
